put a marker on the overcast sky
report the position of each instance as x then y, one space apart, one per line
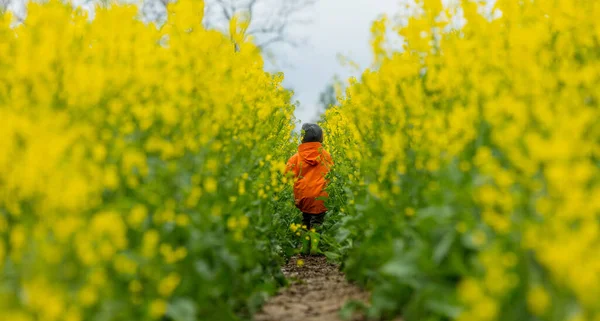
338 27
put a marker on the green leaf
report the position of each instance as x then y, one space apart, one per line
332 256
444 308
443 247
203 269
349 309
182 309
399 268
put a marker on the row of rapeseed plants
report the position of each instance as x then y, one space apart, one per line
469 165
140 168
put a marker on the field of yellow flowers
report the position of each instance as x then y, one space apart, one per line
141 172
141 169
468 165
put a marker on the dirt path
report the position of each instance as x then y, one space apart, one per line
317 293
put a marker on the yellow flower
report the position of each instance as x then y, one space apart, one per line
111 178
182 220
125 265
180 253
149 242
157 308
538 300
88 296
135 286
470 291
137 215
168 284
300 263
73 314
485 309
232 223
194 197
17 237
2 253
210 185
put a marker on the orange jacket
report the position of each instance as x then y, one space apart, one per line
310 165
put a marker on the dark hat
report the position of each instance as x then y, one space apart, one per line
311 133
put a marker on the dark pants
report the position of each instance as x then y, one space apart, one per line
312 219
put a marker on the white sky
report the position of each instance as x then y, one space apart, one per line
338 27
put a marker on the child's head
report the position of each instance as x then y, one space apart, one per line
311 133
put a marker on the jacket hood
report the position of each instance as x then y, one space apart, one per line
310 153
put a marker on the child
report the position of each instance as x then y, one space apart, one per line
309 166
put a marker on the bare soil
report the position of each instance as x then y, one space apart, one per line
317 292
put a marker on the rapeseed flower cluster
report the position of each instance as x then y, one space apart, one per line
133 170
477 150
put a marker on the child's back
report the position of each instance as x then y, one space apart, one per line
310 165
